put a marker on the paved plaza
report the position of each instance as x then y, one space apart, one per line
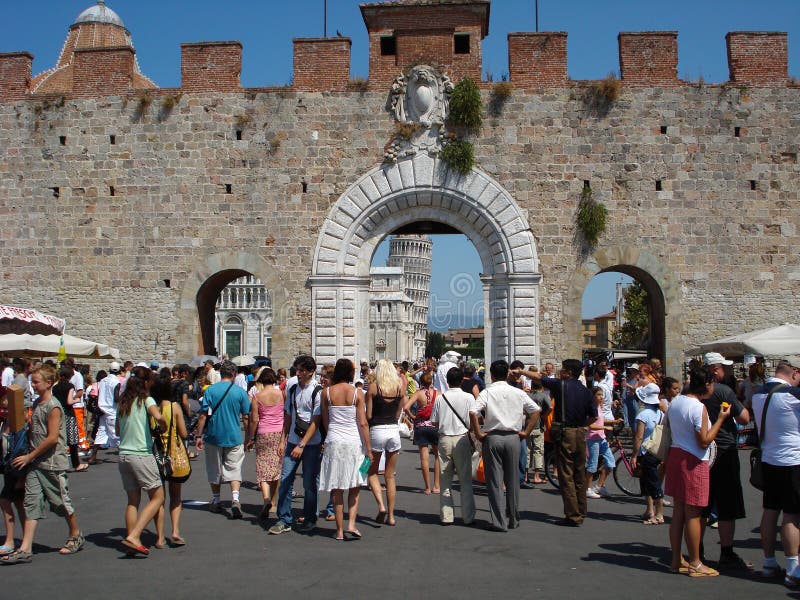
612 555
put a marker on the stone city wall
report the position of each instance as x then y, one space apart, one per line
114 204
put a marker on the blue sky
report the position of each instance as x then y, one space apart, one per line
266 29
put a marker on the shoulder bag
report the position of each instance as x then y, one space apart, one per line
659 442
756 466
180 467
301 425
557 427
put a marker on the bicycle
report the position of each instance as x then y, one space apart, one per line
623 476
622 472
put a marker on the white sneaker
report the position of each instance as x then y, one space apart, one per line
603 492
591 493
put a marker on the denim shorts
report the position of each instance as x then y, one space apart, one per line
596 449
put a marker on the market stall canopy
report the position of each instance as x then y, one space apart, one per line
774 341
27 346
28 320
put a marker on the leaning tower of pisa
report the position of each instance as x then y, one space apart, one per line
414 254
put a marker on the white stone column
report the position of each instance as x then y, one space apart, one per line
512 304
340 321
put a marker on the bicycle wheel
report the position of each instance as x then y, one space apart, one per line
625 479
550 469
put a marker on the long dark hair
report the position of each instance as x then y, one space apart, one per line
137 389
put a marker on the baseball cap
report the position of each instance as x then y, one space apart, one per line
142 364
114 367
154 364
715 358
634 367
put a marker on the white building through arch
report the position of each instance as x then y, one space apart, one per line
243 318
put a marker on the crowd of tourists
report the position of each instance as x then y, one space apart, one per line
341 425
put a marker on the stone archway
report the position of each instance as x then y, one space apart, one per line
660 284
202 288
422 188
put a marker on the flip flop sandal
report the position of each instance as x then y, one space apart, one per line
381 517
130 546
5 550
178 541
18 557
701 570
355 534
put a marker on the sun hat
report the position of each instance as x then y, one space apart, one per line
648 393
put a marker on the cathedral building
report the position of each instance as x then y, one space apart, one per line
399 300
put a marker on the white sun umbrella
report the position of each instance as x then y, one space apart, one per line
773 341
245 360
26 345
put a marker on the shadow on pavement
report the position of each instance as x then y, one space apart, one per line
634 555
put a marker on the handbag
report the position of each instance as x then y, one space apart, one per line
163 460
756 466
476 455
180 467
660 441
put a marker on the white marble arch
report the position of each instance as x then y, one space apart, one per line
413 189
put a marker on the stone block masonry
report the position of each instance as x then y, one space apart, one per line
700 182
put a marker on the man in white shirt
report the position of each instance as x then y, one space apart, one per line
451 414
108 391
780 457
212 375
8 372
447 362
505 409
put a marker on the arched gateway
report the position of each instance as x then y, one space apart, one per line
422 188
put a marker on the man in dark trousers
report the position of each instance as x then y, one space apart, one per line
725 489
573 411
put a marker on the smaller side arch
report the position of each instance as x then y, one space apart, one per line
201 289
657 279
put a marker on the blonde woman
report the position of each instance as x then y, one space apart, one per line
385 400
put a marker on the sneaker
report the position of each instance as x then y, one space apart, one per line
734 562
525 485
236 510
279 528
603 492
214 507
591 493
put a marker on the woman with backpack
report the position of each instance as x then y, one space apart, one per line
426 435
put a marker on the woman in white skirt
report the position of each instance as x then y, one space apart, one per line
346 445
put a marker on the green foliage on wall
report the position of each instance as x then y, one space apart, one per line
459 155
591 217
466 109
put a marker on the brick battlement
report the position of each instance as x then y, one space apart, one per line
400 35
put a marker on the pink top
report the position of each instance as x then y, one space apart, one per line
597 434
270 418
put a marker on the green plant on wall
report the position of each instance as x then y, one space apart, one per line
591 217
466 109
459 156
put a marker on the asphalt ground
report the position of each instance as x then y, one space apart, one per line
612 555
